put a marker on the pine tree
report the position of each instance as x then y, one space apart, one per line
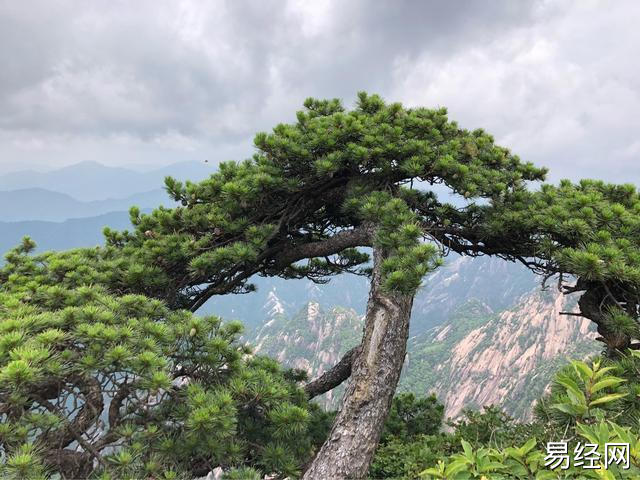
103 386
588 236
336 180
314 192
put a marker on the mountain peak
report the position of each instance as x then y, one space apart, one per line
90 180
273 305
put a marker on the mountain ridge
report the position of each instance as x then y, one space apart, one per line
88 181
480 355
48 205
72 233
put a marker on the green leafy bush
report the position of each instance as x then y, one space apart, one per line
586 405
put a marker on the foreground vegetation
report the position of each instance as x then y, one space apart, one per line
99 386
142 390
589 406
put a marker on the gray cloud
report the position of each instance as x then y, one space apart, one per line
152 82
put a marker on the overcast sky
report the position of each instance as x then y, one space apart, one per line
147 83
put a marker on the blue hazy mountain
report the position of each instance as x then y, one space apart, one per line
47 205
78 232
88 181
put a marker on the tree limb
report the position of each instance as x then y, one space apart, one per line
89 413
358 237
332 377
69 463
74 433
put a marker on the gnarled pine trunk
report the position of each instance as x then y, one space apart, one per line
356 431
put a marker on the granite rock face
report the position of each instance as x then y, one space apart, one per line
497 338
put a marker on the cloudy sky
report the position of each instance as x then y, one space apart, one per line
148 83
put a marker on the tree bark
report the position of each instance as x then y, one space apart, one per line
349 449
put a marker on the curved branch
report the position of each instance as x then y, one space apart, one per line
332 377
69 463
116 404
357 237
74 434
86 417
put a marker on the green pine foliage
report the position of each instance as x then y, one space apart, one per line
97 385
589 231
337 170
332 170
105 373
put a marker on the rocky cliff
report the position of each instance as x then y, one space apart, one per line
477 356
480 357
313 340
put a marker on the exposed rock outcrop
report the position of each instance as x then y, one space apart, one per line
509 360
480 355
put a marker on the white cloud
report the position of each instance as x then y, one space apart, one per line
540 94
159 81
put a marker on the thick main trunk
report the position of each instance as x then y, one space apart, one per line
356 431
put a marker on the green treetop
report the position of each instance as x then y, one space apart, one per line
311 192
120 386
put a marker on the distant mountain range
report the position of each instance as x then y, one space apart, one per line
485 347
88 181
68 207
81 232
507 358
41 204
